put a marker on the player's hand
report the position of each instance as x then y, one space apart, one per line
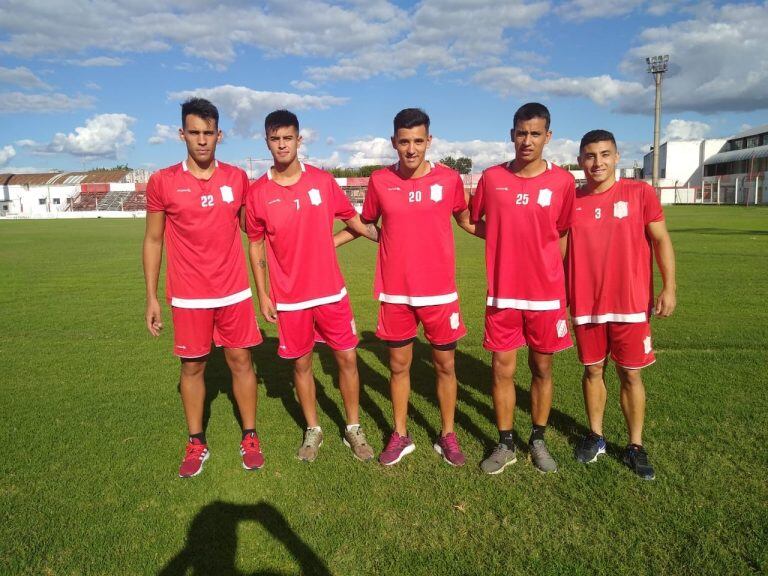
665 303
268 310
153 318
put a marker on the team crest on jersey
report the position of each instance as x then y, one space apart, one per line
562 328
435 192
620 209
314 197
226 194
545 197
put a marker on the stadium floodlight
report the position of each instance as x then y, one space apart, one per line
657 65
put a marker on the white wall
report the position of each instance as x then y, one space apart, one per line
23 200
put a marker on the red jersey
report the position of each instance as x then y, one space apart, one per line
416 259
206 264
610 267
297 221
524 218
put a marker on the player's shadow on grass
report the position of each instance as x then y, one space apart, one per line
473 373
423 384
211 546
277 376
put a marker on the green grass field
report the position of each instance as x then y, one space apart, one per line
92 434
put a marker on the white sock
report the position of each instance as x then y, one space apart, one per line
351 427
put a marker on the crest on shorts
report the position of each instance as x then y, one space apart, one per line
647 344
454 321
314 197
226 193
435 192
620 209
562 328
545 197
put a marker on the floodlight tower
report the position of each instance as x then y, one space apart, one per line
657 65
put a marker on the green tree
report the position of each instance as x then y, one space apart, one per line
462 164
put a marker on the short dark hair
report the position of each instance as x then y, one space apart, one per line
530 111
410 118
280 119
199 107
596 136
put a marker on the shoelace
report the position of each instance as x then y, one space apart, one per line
251 443
451 443
396 443
311 437
194 450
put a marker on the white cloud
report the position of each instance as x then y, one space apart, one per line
103 135
308 135
717 61
580 10
25 143
678 129
366 152
99 61
303 85
17 102
162 133
21 76
205 31
6 153
440 35
509 80
247 107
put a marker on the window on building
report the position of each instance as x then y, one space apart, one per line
737 144
41 201
57 200
5 207
753 141
764 139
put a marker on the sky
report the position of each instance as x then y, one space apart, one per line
87 84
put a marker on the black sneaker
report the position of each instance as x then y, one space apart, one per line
636 458
589 448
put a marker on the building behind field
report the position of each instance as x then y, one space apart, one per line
51 193
717 170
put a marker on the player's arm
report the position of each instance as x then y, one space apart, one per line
241 217
563 243
152 255
258 257
462 219
355 228
665 260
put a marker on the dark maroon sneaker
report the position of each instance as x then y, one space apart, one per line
448 447
250 450
397 447
196 454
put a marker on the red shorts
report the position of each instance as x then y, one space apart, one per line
629 344
333 324
442 323
544 331
232 326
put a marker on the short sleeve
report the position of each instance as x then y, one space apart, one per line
477 201
254 218
371 205
155 200
652 210
342 207
566 210
459 201
246 184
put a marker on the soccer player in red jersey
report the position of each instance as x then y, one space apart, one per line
617 226
523 210
196 208
415 274
290 214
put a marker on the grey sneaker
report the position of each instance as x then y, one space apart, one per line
355 439
313 439
541 457
501 457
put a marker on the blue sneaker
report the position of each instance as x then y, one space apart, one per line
589 448
636 458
